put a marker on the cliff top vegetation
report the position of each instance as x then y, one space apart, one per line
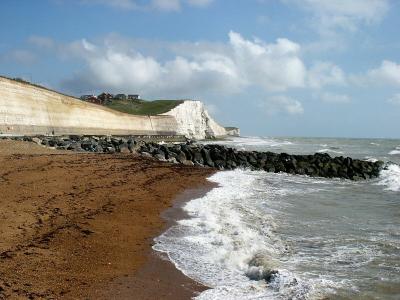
143 107
136 107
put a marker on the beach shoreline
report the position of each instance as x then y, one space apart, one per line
169 282
78 225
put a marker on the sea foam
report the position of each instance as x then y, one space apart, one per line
394 152
390 177
249 141
228 243
330 150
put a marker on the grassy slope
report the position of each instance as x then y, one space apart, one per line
138 107
19 80
142 107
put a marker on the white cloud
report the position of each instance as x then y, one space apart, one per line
163 5
387 73
121 4
228 68
333 98
395 99
275 67
325 73
114 70
282 104
167 5
333 20
41 42
199 3
21 56
344 14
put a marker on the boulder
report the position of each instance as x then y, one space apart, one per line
180 157
207 157
160 157
188 163
146 154
219 156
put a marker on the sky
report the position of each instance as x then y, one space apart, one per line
322 68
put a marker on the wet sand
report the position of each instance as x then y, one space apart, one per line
81 226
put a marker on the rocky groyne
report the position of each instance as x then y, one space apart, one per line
219 157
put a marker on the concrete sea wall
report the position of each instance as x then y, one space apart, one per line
29 110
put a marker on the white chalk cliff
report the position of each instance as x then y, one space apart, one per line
26 109
195 122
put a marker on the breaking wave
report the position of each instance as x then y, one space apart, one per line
396 151
262 235
243 142
229 244
330 150
390 177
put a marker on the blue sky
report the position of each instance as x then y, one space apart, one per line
271 67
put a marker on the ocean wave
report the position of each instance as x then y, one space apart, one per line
394 152
229 243
330 150
371 159
390 177
243 142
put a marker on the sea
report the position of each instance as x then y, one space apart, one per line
315 238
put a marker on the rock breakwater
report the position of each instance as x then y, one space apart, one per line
220 157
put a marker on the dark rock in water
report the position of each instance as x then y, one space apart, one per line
99 148
219 156
160 157
116 141
279 167
176 149
269 167
52 143
198 157
268 276
88 145
110 150
188 152
207 157
252 159
62 143
146 154
220 164
74 146
173 160
230 165
348 162
180 156
124 148
188 163
257 274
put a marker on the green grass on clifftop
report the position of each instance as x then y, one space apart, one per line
142 107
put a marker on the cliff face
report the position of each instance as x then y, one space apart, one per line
30 110
195 122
